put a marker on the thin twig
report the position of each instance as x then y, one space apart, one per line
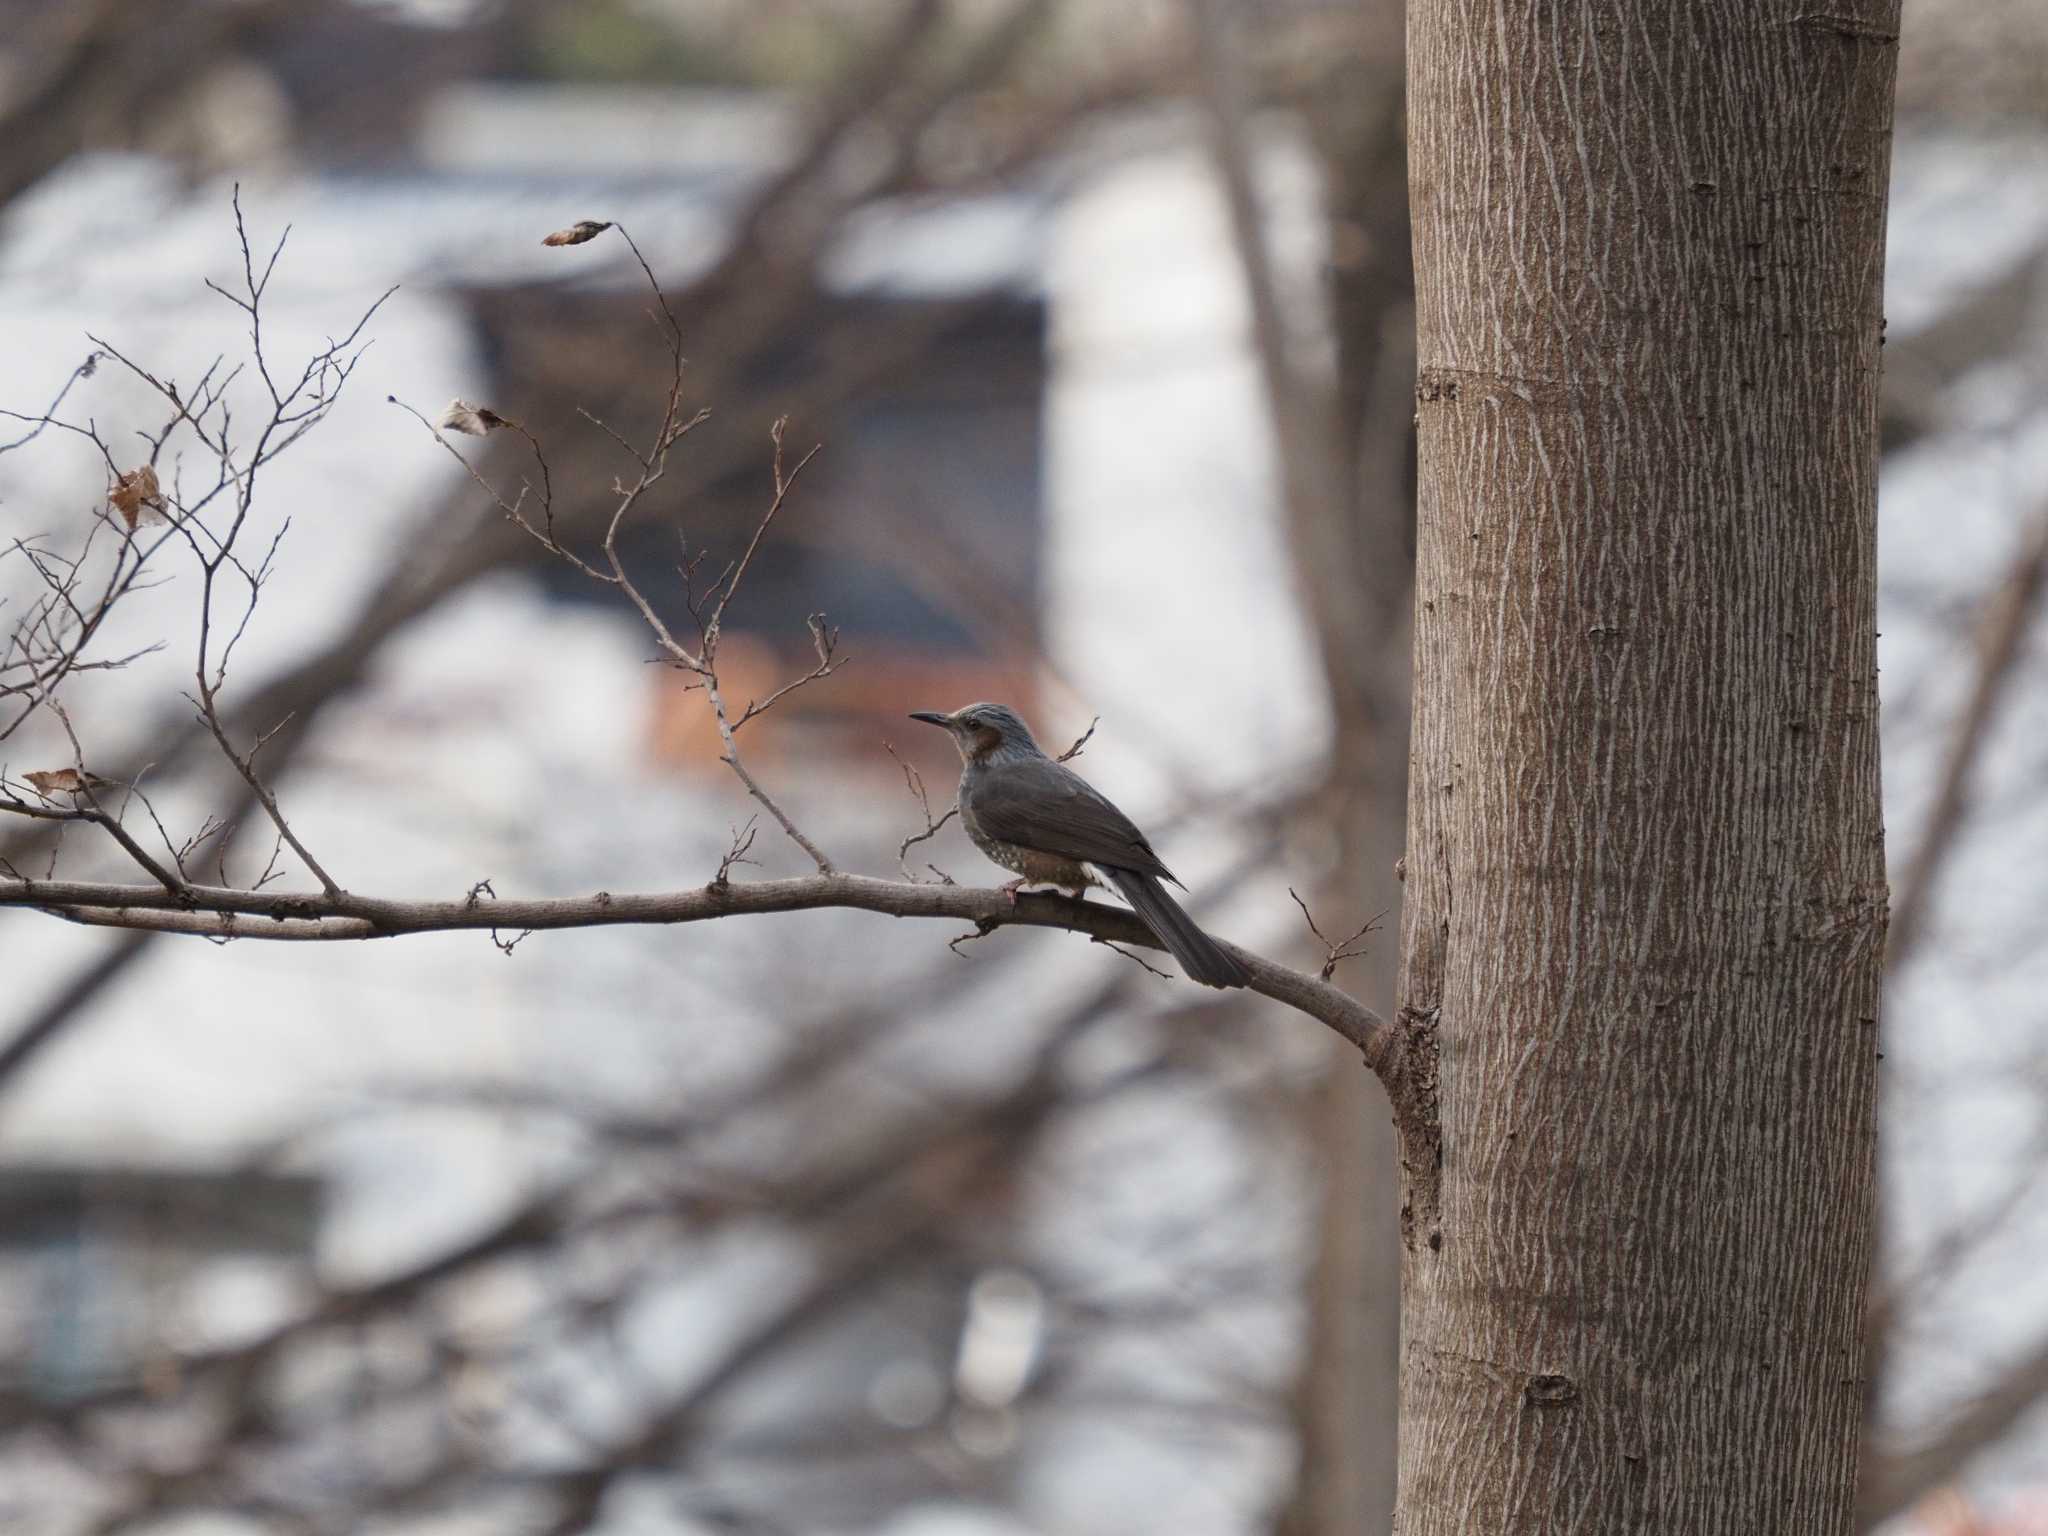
94 814
1079 742
1135 958
913 781
709 632
1343 949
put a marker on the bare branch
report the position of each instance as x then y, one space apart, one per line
219 912
825 641
736 852
91 811
37 424
514 509
245 765
52 640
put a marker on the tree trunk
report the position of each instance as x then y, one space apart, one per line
1645 908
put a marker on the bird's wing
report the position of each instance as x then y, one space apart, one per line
1046 806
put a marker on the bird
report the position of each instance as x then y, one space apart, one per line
1049 826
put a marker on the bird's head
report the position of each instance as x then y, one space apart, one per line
983 732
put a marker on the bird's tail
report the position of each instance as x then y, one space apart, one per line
1199 955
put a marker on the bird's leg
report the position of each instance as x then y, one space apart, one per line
1010 888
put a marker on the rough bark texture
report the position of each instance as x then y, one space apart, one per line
1645 905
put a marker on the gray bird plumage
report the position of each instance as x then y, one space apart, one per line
1047 825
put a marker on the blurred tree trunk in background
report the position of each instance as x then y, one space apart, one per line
1342 431
1354 556
1645 881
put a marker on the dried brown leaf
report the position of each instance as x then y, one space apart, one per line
475 420
577 233
56 781
138 497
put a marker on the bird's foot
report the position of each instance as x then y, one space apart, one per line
1010 888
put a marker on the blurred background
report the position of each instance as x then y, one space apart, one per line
813 1223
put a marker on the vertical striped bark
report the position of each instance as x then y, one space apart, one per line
1645 904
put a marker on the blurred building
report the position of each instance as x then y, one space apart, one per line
915 537
1045 461
925 533
919 363
108 1272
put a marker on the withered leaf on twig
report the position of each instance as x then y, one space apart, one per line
577 233
137 496
476 420
62 781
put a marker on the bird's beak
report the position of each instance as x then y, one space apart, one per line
932 717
